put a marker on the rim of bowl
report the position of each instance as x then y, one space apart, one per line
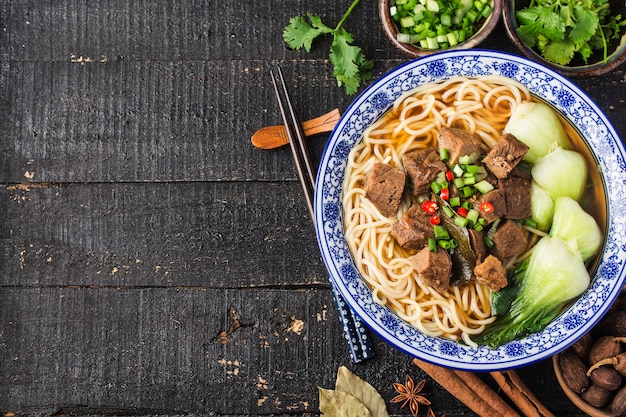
329 164
413 51
615 59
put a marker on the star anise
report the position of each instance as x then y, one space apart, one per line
431 413
409 393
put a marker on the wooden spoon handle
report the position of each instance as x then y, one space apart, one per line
271 137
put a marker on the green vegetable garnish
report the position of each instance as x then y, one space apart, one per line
350 67
555 275
560 29
438 24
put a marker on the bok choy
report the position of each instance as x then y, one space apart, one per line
574 225
541 207
555 274
539 127
561 172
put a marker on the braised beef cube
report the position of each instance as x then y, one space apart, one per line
384 185
413 229
517 197
458 143
491 273
434 269
509 241
505 155
422 166
498 202
477 242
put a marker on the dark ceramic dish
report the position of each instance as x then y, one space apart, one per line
413 51
577 68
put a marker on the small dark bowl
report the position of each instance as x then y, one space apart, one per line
413 51
577 68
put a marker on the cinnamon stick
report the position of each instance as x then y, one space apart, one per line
513 386
455 385
480 388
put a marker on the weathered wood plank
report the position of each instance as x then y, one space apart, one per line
169 30
210 235
178 350
169 121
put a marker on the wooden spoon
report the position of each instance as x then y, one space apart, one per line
271 137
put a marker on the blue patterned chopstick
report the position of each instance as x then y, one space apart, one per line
359 345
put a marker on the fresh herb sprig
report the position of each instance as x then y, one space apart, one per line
560 29
350 67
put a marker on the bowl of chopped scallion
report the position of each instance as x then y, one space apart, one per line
577 38
421 27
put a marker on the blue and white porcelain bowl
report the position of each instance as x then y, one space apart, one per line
545 83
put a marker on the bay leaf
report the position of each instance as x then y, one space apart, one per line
335 403
352 384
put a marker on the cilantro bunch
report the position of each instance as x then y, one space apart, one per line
560 29
350 67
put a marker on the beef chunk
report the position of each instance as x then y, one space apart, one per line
505 155
422 166
434 269
491 273
413 229
458 143
517 197
509 241
477 242
384 185
497 199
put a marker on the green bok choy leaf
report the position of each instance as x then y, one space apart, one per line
555 275
574 225
539 127
561 172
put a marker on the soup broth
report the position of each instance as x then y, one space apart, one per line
481 106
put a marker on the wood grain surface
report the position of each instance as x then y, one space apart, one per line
153 261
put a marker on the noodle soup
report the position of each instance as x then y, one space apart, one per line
481 106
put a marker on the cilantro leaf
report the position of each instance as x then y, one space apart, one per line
559 52
300 34
560 29
586 25
350 67
542 20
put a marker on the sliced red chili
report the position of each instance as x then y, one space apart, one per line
429 206
449 175
462 211
445 194
435 219
486 207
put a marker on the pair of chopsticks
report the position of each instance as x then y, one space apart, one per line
355 333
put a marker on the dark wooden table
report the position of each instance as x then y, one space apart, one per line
153 261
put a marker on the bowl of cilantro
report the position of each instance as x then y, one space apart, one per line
422 27
577 38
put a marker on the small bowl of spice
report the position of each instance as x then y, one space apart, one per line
422 27
592 371
577 39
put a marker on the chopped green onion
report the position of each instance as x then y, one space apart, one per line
440 232
472 215
460 221
459 182
444 154
483 186
448 211
432 244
